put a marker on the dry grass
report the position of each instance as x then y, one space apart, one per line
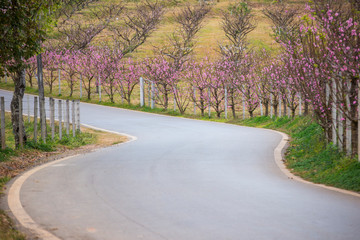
104 139
208 37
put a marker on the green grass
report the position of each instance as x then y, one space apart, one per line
7 230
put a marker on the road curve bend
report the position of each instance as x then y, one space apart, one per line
182 179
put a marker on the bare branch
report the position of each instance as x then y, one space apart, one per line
237 23
284 19
137 26
79 36
181 42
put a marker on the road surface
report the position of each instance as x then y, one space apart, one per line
182 180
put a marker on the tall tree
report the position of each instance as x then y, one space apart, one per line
23 27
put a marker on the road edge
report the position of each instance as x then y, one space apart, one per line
279 156
13 202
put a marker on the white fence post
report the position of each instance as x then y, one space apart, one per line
21 135
60 119
28 107
59 71
333 113
152 95
80 86
78 115
209 96
174 99
271 106
99 89
141 92
52 117
358 108
73 117
280 105
35 117
300 105
3 144
340 130
348 128
243 105
226 103
194 101
67 117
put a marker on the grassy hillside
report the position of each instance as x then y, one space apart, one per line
209 36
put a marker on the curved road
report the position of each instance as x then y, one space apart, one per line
182 180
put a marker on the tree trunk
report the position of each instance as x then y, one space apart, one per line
354 115
89 91
40 81
285 107
275 110
266 104
306 108
251 113
18 95
166 99
71 88
233 105
202 104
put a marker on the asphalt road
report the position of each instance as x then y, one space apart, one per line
182 180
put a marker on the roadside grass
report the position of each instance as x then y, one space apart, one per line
7 230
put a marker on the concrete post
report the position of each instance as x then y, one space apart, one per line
243 105
78 115
60 119
194 101
271 106
142 92
226 102
3 144
358 108
174 100
52 118
59 73
209 96
21 136
333 113
73 117
28 107
99 89
300 105
152 95
340 130
80 86
67 117
35 117
280 101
